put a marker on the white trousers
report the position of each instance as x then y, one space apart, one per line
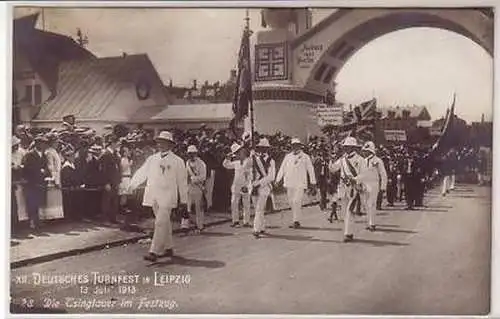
259 222
235 209
369 203
195 196
346 214
162 236
209 188
295 196
446 184
452 184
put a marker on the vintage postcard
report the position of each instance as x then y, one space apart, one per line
169 160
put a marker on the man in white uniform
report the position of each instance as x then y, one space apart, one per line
351 166
166 181
239 160
265 171
196 173
294 170
375 179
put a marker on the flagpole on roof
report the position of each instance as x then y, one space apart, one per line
252 117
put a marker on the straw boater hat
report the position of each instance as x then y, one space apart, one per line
350 141
369 146
192 149
264 142
41 139
166 136
296 141
95 149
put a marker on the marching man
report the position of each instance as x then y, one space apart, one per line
166 180
375 179
266 171
351 166
294 170
240 161
197 174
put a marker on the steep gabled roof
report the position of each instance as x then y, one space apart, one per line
88 88
45 50
415 111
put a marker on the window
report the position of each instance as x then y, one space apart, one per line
320 71
406 114
28 96
38 94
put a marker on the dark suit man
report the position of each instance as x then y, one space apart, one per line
111 177
35 171
92 181
410 177
392 181
70 183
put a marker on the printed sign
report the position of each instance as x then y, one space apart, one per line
308 55
271 62
395 135
329 114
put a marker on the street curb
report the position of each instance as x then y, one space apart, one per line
77 251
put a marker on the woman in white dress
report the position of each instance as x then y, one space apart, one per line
126 169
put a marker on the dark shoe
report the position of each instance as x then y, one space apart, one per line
256 235
262 232
370 228
295 225
151 257
235 224
247 225
409 208
168 253
348 238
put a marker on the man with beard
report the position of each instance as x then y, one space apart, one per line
166 186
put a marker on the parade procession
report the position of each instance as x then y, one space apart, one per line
263 183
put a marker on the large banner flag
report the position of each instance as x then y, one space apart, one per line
243 90
360 122
446 131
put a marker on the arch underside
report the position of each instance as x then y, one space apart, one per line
330 63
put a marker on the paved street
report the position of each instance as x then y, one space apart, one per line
431 261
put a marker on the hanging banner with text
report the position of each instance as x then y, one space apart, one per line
329 114
395 135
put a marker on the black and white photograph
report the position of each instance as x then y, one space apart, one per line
260 160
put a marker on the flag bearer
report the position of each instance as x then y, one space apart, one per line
351 166
294 170
240 161
266 171
196 174
375 180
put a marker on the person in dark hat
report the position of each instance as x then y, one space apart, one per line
36 172
70 182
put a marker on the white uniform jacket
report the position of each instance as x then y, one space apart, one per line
165 178
375 175
243 173
357 161
294 171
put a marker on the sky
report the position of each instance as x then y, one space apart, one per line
420 66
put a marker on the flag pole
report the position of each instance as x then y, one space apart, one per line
252 117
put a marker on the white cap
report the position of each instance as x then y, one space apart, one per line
263 143
350 141
235 147
296 141
192 149
95 149
369 146
166 135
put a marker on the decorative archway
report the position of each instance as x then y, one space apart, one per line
346 31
